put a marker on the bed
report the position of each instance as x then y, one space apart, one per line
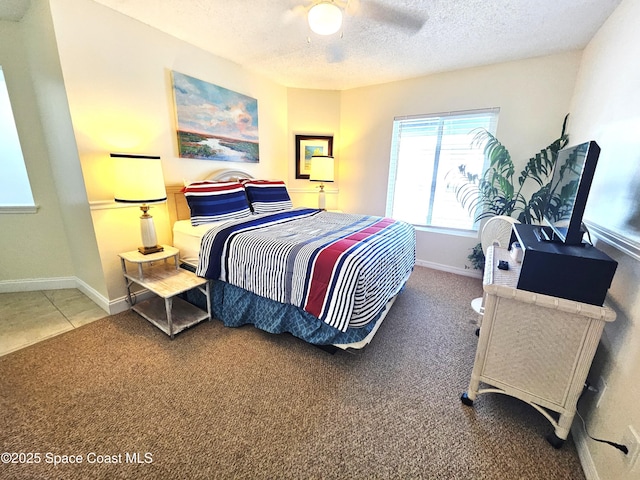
328 278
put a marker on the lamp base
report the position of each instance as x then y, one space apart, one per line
148 232
322 200
148 250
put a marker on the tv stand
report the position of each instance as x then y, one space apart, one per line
546 234
576 272
542 235
536 348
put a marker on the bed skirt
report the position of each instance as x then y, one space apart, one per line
235 307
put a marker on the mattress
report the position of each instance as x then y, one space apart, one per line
187 238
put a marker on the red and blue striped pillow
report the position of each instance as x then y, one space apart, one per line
216 201
267 196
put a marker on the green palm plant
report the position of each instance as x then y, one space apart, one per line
497 191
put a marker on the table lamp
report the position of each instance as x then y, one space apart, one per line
321 171
139 180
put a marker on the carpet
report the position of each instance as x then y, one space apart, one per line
119 399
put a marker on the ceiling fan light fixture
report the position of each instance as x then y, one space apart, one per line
325 18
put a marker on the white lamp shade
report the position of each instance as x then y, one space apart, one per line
138 179
325 18
321 168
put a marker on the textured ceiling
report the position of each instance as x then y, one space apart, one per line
381 40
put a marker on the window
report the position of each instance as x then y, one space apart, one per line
15 190
424 149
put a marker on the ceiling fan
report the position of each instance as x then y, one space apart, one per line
325 16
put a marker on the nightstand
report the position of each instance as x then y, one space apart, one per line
166 280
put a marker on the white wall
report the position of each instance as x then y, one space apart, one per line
313 112
51 98
34 246
606 100
533 96
117 73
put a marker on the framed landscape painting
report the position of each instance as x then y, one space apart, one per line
308 146
214 123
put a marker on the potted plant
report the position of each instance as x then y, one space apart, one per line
498 192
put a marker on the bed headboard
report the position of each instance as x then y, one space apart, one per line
177 203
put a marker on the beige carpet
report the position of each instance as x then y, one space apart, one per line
239 403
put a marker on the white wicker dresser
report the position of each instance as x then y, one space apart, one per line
534 347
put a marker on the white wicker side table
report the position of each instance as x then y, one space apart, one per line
534 347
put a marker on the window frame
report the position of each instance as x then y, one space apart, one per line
394 160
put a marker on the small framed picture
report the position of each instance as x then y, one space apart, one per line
308 146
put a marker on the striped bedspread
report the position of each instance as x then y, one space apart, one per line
339 267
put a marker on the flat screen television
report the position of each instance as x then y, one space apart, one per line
569 190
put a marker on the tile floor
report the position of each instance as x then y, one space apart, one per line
29 317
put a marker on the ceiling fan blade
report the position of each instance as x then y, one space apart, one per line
382 13
291 14
351 7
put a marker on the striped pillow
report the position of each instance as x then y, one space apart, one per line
216 201
267 196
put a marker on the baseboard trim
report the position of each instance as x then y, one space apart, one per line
34 284
58 283
94 295
586 460
467 272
